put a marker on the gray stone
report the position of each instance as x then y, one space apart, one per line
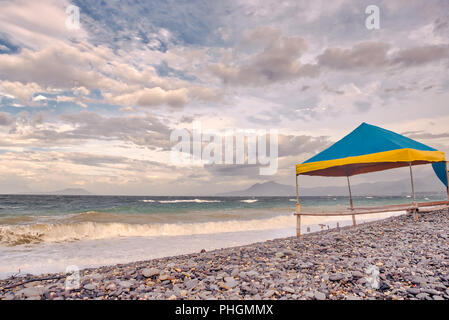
288 289
431 291
357 274
190 284
252 273
289 252
279 254
309 295
417 280
164 277
125 284
422 296
336 277
90 286
31 292
96 276
269 294
235 272
230 282
205 295
150 272
111 286
413 291
319 295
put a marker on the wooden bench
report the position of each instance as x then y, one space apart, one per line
412 208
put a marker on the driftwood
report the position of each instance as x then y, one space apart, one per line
33 280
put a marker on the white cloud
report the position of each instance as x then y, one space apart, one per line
36 23
22 92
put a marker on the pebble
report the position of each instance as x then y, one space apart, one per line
422 296
89 286
409 257
413 291
336 277
231 282
319 295
150 272
357 274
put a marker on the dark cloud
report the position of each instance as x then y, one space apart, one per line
234 170
375 55
288 145
277 62
362 55
327 89
145 130
421 55
141 130
291 145
96 160
397 89
92 159
363 106
5 119
425 135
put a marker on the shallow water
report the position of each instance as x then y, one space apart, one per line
48 233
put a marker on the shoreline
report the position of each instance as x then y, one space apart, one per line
410 258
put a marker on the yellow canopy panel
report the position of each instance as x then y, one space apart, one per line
369 148
369 163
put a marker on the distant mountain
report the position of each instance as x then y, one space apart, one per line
67 192
72 191
384 188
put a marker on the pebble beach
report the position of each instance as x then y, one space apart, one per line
395 259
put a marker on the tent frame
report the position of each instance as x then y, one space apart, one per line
413 208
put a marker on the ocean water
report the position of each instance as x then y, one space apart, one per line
43 233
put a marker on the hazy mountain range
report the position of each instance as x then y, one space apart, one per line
400 187
66 192
271 188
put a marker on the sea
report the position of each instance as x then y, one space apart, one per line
50 233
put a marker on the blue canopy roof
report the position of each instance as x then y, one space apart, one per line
370 148
367 139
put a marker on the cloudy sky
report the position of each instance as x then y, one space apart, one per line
93 107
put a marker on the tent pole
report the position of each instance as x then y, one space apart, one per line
447 180
415 209
351 203
298 210
297 190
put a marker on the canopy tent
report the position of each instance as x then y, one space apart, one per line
368 149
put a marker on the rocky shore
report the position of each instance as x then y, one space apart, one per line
396 258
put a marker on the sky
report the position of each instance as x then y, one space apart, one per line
93 106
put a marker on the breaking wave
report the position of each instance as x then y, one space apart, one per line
12 235
249 200
188 200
